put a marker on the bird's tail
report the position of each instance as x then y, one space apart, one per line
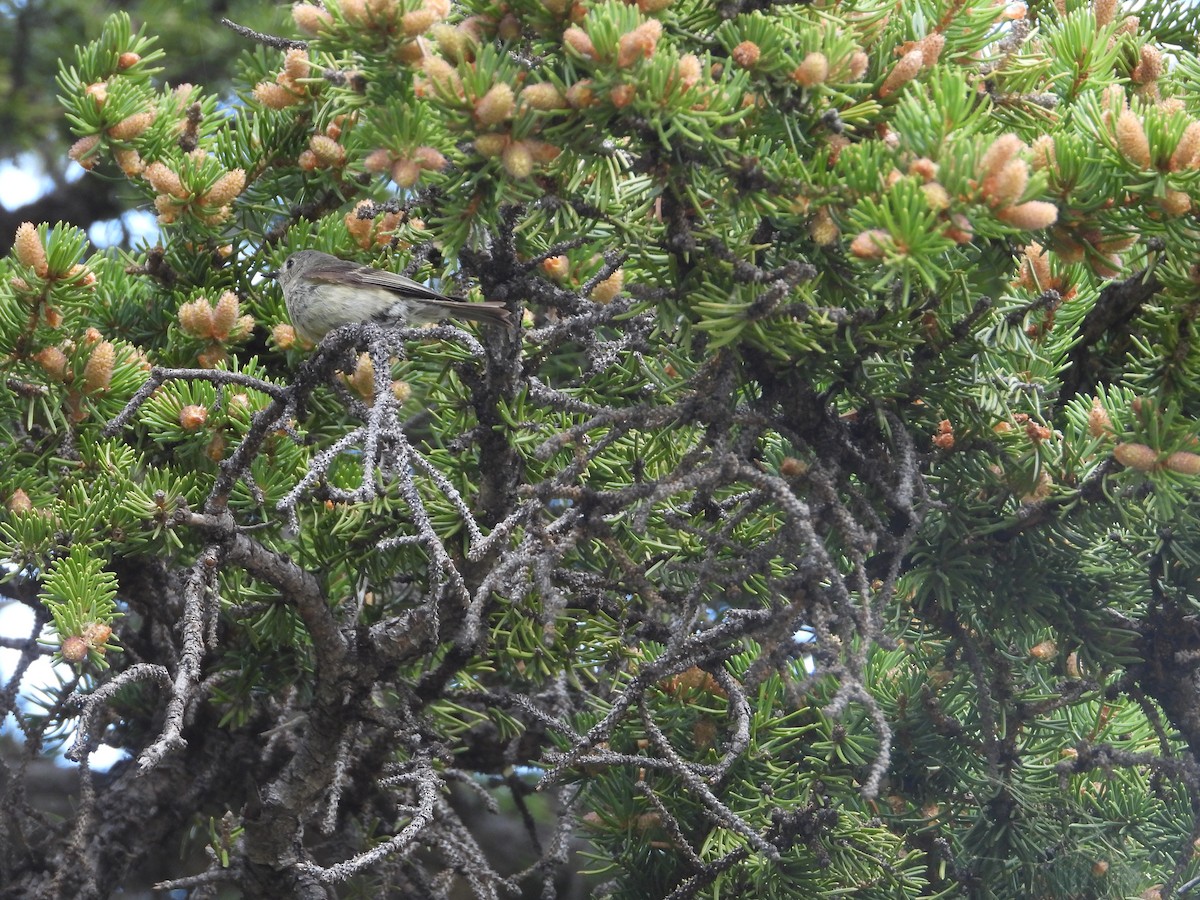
490 312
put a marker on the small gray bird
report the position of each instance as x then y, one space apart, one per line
323 292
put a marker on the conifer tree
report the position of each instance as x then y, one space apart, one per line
823 522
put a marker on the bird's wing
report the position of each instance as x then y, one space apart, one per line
367 276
